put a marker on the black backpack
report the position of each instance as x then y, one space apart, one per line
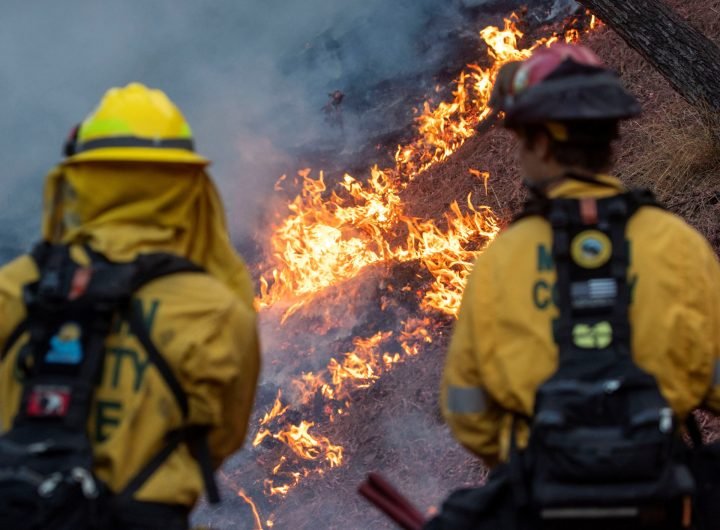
46 458
605 447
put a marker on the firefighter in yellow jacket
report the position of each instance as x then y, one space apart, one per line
564 108
132 184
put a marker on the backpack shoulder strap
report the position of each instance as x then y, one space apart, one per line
98 292
151 267
39 254
591 255
538 204
534 205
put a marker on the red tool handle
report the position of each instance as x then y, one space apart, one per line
391 502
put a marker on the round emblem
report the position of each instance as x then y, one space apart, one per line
591 249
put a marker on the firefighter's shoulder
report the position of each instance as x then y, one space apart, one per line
662 232
518 246
17 273
195 295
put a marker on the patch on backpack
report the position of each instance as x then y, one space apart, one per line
66 345
46 400
591 249
598 336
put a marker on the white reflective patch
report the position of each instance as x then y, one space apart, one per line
716 376
466 400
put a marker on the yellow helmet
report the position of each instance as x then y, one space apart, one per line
135 123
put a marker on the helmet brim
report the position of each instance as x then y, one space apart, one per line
577 98
138 154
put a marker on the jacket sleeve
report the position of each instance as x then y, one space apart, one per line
220 375
13 277
473 416
709 281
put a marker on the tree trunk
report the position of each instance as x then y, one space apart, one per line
687 58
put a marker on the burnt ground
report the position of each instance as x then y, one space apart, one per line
395 426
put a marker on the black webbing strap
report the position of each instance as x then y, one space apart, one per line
50 308
172 442
538 203
516 464
619 213
109 289
197 440
559 218
39 255
138 328
195 437
134 141
566 220
13 338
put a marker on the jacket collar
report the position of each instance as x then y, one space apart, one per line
571 189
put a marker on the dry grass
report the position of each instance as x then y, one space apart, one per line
673 148
677 155
395 426
686 152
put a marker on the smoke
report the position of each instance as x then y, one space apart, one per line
552 8
251 76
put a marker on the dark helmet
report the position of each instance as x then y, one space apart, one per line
565 84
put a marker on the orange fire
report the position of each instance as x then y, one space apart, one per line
257 522
256 515
330 235
276 410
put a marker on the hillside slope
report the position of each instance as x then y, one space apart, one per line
395 426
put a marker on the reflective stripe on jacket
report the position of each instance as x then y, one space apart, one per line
502 347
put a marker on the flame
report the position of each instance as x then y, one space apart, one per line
256 515
309 447
276 410
483 175
331 234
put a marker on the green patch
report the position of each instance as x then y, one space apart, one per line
598 336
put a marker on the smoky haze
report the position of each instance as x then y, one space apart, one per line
250 75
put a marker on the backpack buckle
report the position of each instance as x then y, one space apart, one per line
49 485
87 482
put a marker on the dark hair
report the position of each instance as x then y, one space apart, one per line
589 146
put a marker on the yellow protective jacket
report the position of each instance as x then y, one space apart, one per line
203 324
502 347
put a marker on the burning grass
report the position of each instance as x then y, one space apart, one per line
354 341
329 237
